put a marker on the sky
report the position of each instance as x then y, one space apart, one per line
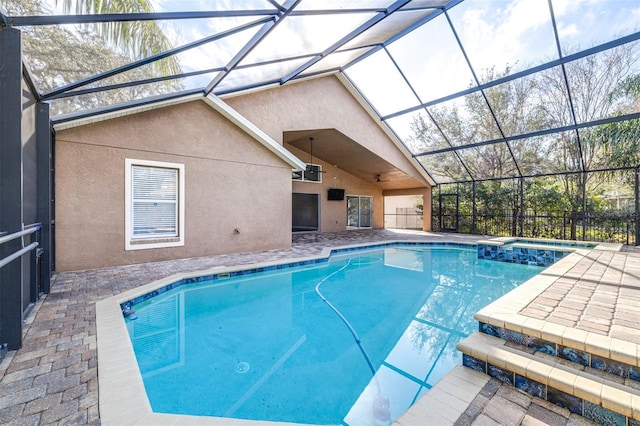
496 36
494 33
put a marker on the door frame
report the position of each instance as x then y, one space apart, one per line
360 197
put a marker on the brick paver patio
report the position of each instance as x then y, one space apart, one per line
52 379
600 294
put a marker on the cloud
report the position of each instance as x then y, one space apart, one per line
497 34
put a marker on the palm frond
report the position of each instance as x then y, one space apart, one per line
138 39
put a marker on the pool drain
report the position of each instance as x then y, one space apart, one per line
242 367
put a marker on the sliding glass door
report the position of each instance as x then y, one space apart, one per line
359 211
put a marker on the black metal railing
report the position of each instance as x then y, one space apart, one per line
28 230
615 228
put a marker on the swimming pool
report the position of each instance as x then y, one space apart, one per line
266 346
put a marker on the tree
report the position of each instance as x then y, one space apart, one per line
58 55
620 140
601 85
597 86
138 39
470 120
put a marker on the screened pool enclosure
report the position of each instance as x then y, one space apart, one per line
524 114
532 103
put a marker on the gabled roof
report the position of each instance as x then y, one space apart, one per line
214 102
358 159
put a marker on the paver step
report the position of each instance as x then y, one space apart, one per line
447 400
580 392
509 318
612 356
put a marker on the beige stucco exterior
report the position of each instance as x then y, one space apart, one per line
232 181
323 103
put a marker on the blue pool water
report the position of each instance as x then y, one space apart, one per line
266 346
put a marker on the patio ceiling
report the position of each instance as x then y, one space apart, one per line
475 90
335 148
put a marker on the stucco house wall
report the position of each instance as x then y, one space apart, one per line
231 182
320 103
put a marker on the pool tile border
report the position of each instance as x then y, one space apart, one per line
534 251
243 270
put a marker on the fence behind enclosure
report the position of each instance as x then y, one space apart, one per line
593 206
620 228
404 218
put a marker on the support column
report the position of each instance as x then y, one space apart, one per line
10 185
584 206
637 204
521 215
427 209
474 216
44 162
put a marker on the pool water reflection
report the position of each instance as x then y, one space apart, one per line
266 347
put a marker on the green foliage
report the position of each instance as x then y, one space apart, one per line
543 195
601 85
58 55
620 143
138 39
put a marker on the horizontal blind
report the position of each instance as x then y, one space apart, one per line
155 201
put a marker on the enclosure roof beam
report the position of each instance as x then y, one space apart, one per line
570 127
483 93
153 58
356 32
23 21
266 28
572 109
435 123
402 33
556 62
39 20
28 79
80 115
539 175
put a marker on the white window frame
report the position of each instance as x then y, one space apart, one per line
151 242
303 172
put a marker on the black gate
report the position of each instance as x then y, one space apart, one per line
448 204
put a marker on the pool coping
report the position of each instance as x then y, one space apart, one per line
122 395
505 312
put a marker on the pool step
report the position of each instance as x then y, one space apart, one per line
586 350
582 393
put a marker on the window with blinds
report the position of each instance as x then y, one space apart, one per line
154 204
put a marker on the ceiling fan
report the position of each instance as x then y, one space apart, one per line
379 180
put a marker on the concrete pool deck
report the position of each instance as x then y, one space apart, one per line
53 378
